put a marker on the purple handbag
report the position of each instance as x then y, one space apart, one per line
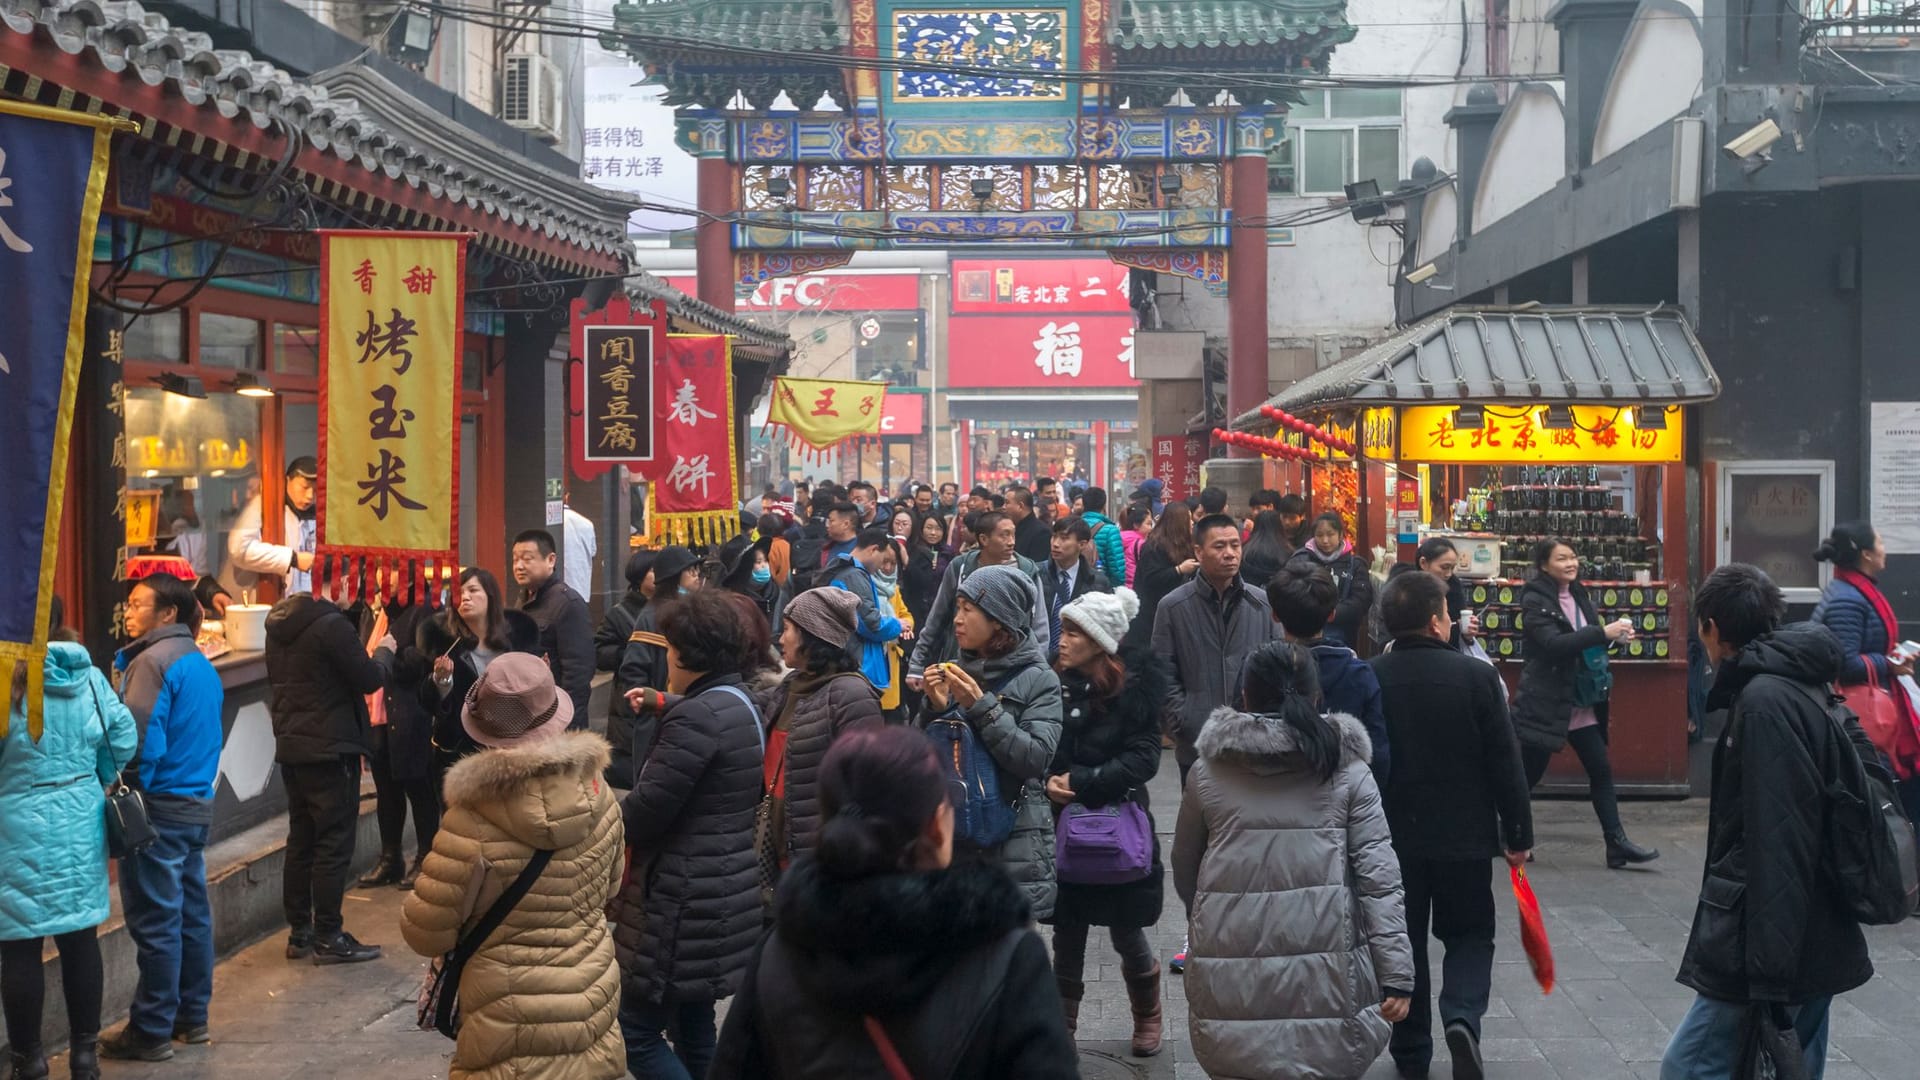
1111 845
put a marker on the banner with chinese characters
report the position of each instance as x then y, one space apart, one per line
1040 350
391 305
53 170
822 413
1176 461
694 475
1518 435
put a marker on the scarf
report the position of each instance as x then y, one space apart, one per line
1346 548
1871 590
885 585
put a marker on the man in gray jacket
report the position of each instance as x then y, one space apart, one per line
1206 629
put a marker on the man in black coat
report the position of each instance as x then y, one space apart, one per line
566 626
318 678
1456 799
1030 535
1770 927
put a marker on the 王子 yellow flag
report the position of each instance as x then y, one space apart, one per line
824 412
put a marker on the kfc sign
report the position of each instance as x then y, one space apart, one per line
1060 350
824 292
904 414
999 287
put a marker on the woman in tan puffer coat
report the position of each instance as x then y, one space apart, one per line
539 999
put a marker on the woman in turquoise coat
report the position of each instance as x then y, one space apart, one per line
53 851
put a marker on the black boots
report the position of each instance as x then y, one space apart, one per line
387 871
28 1065
413 873
1621 851
341 948
1071 991
83 1059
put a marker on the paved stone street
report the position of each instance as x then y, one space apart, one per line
1617 937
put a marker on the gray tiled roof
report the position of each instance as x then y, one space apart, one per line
1519 354
352 117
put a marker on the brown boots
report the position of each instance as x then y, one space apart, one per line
1143 992
1071 991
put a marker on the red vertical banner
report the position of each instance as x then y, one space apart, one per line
1176 461
694 475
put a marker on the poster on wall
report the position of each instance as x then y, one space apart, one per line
627 145
1893 481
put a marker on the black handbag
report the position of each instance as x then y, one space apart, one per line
1769 1046
129 828
438 1007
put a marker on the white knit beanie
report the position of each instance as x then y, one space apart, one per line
1104 617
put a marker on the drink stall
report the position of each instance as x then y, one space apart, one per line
1499 428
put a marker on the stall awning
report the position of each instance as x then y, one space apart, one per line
1534 353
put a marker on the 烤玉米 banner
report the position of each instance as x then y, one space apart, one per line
391 311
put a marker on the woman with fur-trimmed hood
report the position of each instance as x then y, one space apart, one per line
1298 959
539 999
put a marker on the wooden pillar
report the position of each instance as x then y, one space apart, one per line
713 237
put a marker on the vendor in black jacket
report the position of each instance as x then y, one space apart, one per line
1564 684
566 626
318 677
1770 927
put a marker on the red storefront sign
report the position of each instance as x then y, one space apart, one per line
903 414
1054 350
1003 286
1176 461
825 292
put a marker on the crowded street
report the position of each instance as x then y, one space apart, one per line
935 540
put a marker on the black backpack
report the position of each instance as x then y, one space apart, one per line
805 571
1870 846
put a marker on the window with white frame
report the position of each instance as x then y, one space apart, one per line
1337 137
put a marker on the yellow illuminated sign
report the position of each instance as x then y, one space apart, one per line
1518 435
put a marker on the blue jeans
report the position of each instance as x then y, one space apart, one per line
1706 1044
643 1024
164 892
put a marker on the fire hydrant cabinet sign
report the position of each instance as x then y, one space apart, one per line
390 322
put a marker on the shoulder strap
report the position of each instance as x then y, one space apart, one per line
105 753
471 941
889 1056
752 709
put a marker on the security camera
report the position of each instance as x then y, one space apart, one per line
1415 277
1754 141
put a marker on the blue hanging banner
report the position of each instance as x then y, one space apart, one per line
53 169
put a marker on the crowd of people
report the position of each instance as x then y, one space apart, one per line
856 753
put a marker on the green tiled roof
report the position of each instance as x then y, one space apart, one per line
796 26
1213 24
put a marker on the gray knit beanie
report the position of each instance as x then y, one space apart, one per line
827 613
1005 594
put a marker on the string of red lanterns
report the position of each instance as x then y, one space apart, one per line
1270 447
1320 435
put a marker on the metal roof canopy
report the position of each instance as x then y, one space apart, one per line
1532 353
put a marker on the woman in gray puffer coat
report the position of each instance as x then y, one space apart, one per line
1283 858
1004 688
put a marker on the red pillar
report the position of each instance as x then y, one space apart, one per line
713 240
1247 289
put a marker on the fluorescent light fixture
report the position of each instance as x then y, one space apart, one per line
1424 273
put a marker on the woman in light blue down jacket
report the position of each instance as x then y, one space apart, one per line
53 852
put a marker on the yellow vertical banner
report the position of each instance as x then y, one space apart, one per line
391 313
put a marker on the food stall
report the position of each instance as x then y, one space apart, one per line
1502 427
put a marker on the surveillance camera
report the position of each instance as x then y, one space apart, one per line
1425 272
1755 140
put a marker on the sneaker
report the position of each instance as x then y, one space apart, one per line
299 944
128 1044
1464 1046
192 1034
341 948
1178 964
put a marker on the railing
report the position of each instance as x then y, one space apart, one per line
1856 19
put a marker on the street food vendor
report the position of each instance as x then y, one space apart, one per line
291 560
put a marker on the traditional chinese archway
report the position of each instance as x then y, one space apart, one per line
938 126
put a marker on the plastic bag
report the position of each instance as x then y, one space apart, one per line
1533 931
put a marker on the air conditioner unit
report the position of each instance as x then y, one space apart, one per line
532 94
